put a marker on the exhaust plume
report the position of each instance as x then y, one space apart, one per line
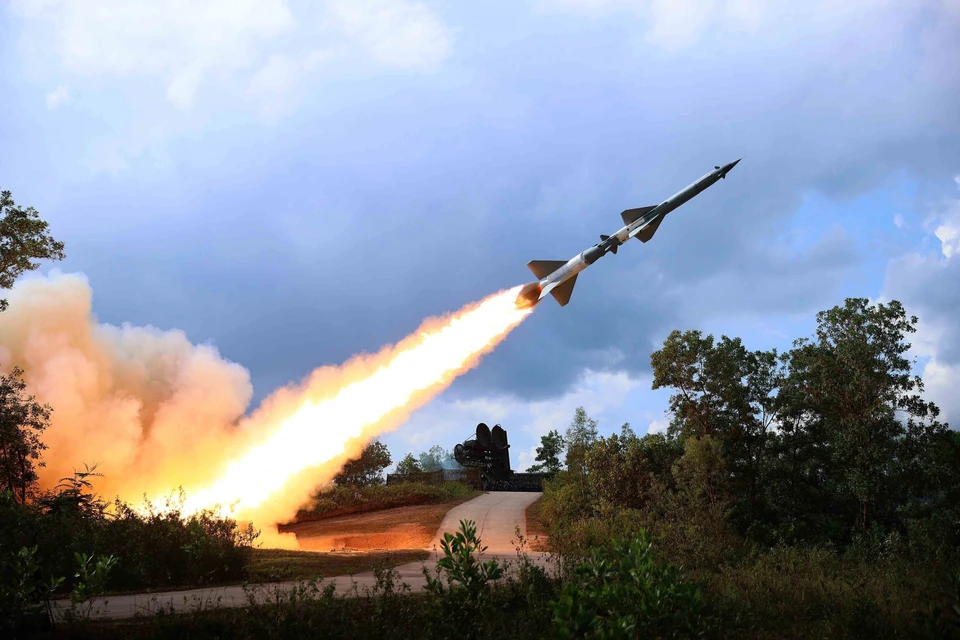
159 412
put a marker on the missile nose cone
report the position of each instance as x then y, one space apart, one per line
731 165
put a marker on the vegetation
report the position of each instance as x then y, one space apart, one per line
24 240
409 465
280 565
810 494
336 499
22 420
367 470
434 459
549 453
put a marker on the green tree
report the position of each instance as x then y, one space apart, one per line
367 470
22 420
24 239
548 453
437 458
581 434
409 465
727 392
851 389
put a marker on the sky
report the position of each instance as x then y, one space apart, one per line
292 183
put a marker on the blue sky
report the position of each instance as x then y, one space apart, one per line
296 182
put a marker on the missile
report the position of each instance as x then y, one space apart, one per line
556 277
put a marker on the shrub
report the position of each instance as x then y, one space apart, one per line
626 592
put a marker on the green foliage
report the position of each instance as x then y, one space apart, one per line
409 465
941 618
367 470
856 453
22 420
90 582
24 239
626 592
396 495
437 458
548 453
461 564
581 434
24 593
153 548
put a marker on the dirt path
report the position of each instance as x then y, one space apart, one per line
497 514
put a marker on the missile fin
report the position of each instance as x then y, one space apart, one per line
543 268
632 215
562 293
647 232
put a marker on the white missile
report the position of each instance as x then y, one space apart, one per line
557 277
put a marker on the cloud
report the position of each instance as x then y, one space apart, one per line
266 45
396 33
658 426
929 286
58 97
180 41
675 25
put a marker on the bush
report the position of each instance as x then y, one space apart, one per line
153 549
626 592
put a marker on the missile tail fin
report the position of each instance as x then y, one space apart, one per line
543 268
562 293
647 232
632 215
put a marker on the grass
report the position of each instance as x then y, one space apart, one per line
279 565
536 531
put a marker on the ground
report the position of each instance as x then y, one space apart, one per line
396 528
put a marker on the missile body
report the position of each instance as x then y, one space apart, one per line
557 277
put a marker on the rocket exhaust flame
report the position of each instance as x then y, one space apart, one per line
321 430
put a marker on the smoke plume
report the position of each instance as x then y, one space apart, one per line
158 412
146 404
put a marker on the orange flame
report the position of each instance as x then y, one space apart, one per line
340 410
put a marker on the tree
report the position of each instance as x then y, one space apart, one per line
366 470
437 458
24 240
22 420
581 434
548 453
727 392
851 390
409 465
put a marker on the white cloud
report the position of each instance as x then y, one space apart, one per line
678 24
181 41
949 235
397 33
58 97
658 426
928 286
899 221
258 44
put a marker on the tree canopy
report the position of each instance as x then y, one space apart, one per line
24 241
22 420
367 470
